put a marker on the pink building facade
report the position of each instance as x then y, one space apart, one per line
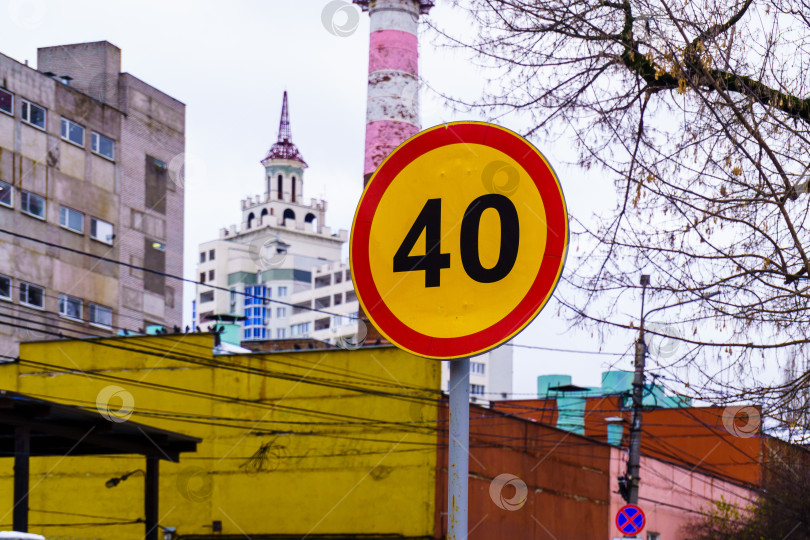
672 496
532 481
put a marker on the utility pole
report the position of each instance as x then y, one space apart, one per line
628 485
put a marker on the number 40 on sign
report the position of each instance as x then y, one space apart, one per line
459 240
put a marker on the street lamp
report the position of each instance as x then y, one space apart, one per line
112 482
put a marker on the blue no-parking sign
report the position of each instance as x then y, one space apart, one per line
630 520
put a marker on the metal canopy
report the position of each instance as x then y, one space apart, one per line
59 430
32 427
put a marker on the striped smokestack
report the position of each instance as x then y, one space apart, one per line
392 106
392 110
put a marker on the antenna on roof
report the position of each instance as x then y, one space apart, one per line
284 132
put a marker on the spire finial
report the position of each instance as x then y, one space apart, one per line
284 133
284 148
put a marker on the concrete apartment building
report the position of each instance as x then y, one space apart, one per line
332 291
254 269
279 275
87 158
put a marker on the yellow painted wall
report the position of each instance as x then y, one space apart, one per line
296 456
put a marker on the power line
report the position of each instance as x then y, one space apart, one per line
212 396
308 412
215 363
357 377
167 275
575 351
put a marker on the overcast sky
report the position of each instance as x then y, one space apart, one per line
230 63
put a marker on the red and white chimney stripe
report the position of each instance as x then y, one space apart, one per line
392 110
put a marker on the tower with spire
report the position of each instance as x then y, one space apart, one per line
273 253
284 165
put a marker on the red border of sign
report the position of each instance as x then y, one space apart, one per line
643 518
548 275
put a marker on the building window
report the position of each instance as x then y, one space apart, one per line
154 259
73 132
282 291
288 214
100 315
653 536
6 102
255 312
207 296
300 329
70 307
101 230
477 367
6 195
101 145
281 312
254 296
31 295
170 296
202 257
255 333
33 114
211 255
281 333
232 295
202 277
156 177
210 275
322 324
32 204
71 219
477 389
5 287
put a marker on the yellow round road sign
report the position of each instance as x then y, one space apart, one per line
459 240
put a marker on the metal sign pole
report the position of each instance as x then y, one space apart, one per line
415 318
458 456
